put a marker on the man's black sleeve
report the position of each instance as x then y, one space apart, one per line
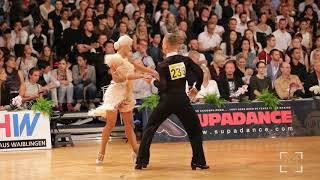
197 71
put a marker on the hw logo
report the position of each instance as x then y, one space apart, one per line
291 162
18 124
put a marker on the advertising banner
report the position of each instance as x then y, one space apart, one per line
24 130
246 120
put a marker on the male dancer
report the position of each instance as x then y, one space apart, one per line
174 100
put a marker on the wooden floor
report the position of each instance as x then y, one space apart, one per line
229 159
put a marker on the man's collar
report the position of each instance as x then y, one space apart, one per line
171 54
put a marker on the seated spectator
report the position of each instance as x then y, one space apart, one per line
209 40
315 58
84 80
14 80
7 41
296 67
141 54
142 88
296 43
169 24
154 48
259 82
19 37
247 76
264 55
229 81
47 55
65 90
31 90
316 47
208 86
263 27
194 46
314 78
47 81
273 70
37 40
140 33
216 66
254 45
26 62
247 53
242 63
3 95
231 45
287 85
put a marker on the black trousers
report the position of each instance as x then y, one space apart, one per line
179 105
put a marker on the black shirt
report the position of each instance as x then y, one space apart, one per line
173 74
84 39
70 39
259 85
55 18
37 42
300 71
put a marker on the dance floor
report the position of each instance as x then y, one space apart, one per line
229 159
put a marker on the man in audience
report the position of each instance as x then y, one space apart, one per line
229 82
258 36
287 85
264 55
273 69
297 68
142 54
283 38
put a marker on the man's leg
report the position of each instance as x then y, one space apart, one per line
160 114
191 123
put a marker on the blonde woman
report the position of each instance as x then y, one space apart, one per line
119 95
209 86
141 33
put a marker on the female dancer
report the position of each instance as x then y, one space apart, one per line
119 94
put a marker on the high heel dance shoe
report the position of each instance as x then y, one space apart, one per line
195 166
99 160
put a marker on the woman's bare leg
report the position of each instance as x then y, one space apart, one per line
111 118
128 124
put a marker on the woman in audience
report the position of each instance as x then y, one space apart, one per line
26 62
247 53
208 86
231 46
64 76
141 33
306 35
3 95
14 78
263 26
47 55
242 63
84 80
119 12
254 45
259 82
31 90
316 46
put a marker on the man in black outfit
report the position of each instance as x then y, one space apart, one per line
173 100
